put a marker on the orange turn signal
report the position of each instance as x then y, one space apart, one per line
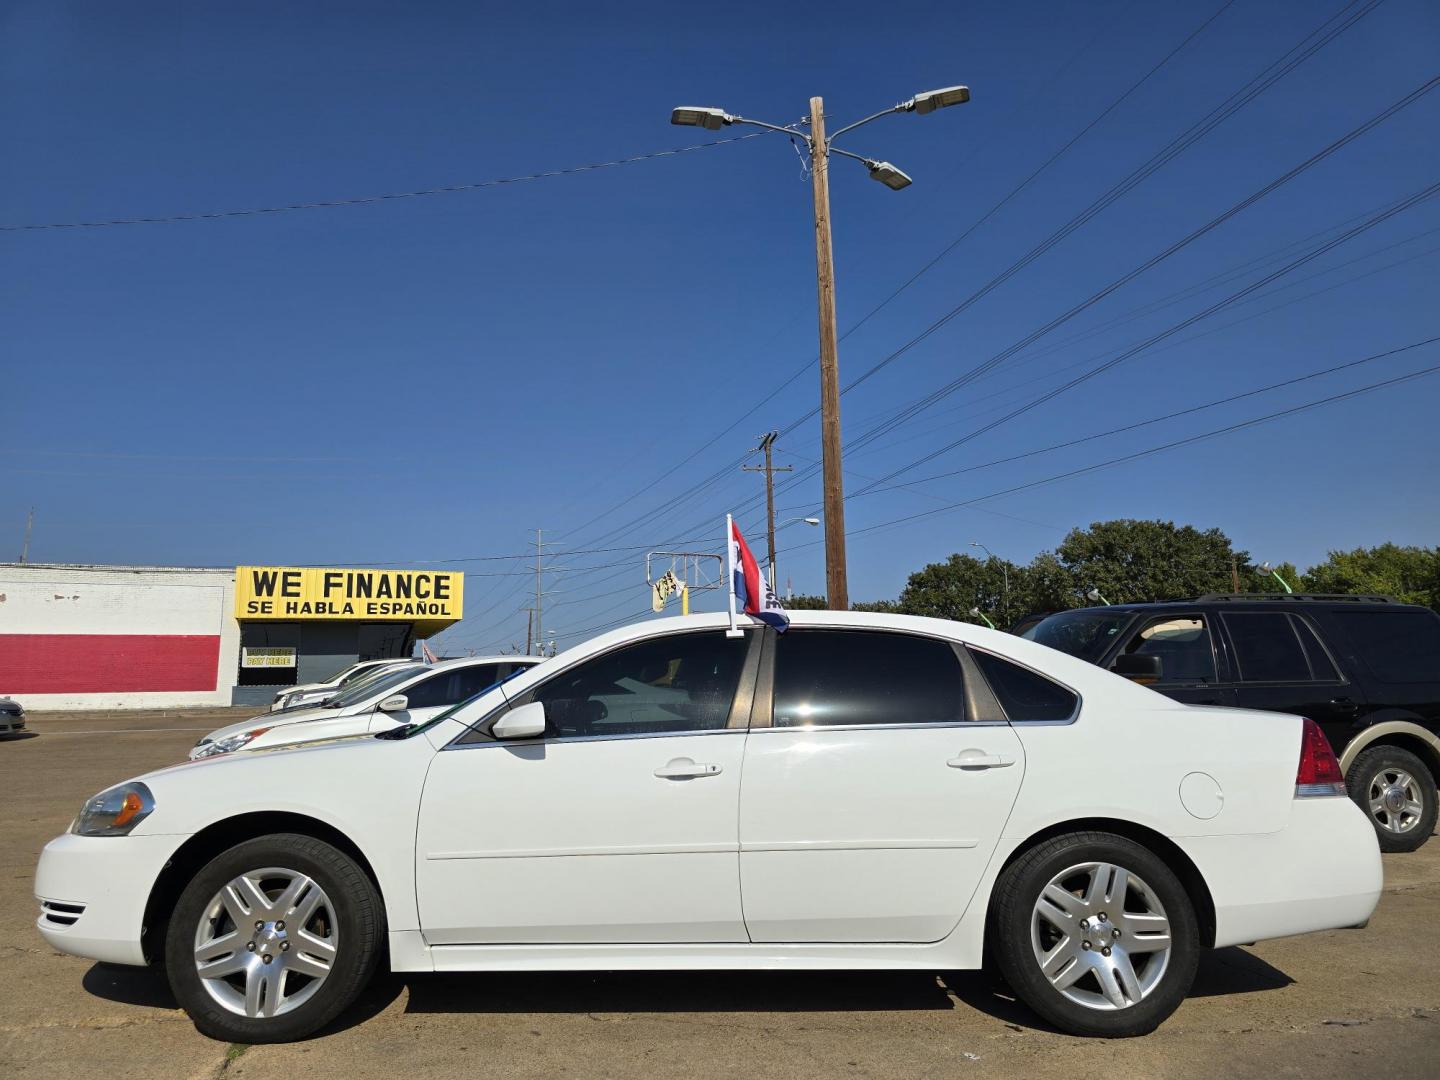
129 807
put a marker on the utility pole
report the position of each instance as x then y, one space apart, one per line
539 550
1234 574
29 524
529 630
769 469
837 588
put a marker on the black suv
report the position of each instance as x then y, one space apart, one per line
1365 668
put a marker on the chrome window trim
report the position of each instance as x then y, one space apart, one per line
1079 697
922 726
567 740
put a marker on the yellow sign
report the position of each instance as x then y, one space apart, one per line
429 598
261 657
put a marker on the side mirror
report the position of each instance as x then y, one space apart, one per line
394 703
523 723
1142 668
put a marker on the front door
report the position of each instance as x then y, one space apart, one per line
1191 668
870 806
619 825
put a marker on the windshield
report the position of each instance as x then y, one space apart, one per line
415 729
1086 633
348 669
383 679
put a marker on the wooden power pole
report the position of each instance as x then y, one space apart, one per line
769 469
29 524
837 589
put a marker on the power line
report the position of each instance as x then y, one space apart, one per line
393 196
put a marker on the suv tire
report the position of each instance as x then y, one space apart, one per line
242 971
1396 789
1076 928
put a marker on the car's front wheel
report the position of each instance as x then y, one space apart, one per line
273 938
1096 934
1396 789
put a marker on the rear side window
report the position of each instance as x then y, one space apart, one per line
825 678
1267 648
1397 646
1023 694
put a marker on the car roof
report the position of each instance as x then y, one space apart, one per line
1347 601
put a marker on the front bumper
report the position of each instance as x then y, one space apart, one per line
11 723
93 891
1321 872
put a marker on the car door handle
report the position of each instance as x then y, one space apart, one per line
685 769
1344 704
975 759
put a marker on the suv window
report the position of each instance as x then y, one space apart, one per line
1183 644
1022 693
678 683
1267 648
1322 668
450 687
1397 646
848 677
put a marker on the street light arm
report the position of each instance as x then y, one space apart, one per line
771 127
862 123
867 162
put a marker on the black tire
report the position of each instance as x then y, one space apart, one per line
1368 771
359 919
1013 904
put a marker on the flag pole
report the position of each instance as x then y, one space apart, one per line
734 630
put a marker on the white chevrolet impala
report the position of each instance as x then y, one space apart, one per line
864 791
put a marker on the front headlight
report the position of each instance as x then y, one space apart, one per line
231 743
114 812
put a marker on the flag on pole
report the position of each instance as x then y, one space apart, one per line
430 657
748 587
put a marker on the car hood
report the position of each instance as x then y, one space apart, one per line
271 720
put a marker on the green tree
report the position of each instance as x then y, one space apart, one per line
1128 560
1411 574
805 602
949 590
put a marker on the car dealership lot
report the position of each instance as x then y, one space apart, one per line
1338 1003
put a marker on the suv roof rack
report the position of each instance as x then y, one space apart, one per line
1347 598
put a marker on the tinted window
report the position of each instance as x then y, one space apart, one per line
684 682
1322 668
1266 648
1023 694
1086 634
1398 646
1183 645
829 677
450 687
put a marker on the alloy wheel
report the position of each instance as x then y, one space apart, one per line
1100 936
1395 800
266 942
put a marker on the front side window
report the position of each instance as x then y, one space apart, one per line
679 683
1267 648
1398 646
1182 643
1022 693
450 687
825 678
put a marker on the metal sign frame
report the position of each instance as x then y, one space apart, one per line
691 567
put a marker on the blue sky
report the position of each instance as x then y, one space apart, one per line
433 378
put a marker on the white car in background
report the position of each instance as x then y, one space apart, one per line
305 693
865 791
398 695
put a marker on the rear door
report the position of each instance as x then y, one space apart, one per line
1193 668
869 803
1281 665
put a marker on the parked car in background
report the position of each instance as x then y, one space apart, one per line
295 695
309 699
401 694
1365 668
12 716
866 790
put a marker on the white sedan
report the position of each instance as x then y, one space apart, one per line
305 693
864 791
393 697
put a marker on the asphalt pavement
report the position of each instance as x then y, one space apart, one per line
1362 1003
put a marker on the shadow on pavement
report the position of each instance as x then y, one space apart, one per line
1235 971
129 985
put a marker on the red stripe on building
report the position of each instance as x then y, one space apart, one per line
107 663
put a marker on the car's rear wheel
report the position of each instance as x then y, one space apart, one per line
273 938
1096 934
1396 789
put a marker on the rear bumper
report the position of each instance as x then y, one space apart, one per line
1321 872
93 891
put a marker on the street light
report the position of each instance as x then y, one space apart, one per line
774 574
1095 598
1266 568
837 590
980 614
1004 567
